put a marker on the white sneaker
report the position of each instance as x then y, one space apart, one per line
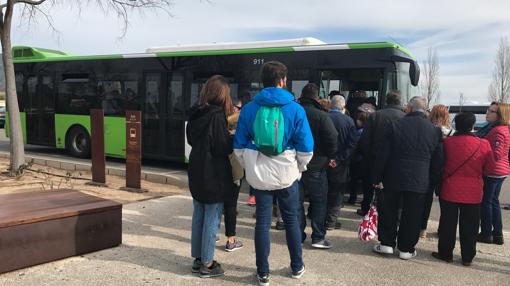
407 255
383 249
323 244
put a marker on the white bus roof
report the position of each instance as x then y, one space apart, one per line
238 45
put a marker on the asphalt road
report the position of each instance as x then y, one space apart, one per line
155 250
165 167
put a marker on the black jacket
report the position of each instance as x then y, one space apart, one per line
323 132
209 170
411 156
374 129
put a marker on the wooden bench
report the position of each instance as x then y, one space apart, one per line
38 227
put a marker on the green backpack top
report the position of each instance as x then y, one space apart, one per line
269 130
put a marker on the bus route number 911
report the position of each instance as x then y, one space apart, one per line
258 61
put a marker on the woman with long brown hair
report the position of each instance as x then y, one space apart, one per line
440 117
209 172
496 131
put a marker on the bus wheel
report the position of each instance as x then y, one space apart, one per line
78 142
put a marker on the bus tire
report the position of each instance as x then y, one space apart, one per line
78 142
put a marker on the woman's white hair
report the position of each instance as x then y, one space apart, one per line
338 102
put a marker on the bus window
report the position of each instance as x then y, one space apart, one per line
47 94
76 95
297 87
234 89
19 83
152 84
350 81
19 91
407 90
33 99
175 102
131 98
199 81
195 92
111 98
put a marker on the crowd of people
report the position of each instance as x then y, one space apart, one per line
317 149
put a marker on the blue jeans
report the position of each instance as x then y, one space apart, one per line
315 185
491 223
288 202
204 227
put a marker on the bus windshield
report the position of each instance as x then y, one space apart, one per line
349 81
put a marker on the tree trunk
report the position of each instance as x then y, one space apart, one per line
15 132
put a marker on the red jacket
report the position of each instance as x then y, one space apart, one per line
499 138
465 185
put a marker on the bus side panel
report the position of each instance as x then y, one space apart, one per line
114 128
62 124
23 118
115 136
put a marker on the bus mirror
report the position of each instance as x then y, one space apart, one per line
414 73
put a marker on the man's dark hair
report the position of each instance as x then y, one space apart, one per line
393 97
272 72
310 91
464 122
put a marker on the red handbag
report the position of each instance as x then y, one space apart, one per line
367 229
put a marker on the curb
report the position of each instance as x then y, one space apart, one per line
172 177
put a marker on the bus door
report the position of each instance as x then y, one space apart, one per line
175 117
152 119
40 110
350 82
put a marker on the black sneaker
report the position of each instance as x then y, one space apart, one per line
438 256
213 271
263 280
484 239
197 263
298 274
280 225
498 240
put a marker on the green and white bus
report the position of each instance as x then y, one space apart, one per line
56 90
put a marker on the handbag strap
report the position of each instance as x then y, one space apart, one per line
467 160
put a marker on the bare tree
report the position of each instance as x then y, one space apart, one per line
430 83
499 88
121 8
462 100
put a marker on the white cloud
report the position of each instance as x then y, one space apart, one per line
464 32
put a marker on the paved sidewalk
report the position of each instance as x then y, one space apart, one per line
156 251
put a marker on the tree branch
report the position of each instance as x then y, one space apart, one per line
29 2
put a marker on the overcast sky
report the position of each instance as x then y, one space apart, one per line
465 33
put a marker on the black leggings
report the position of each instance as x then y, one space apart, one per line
230 212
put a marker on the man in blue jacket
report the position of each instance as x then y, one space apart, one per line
278 175
338 177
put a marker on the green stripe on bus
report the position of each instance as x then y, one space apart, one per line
225 52
380 46
114 129
67 58
23 118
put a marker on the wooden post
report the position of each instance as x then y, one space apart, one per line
133 150
97 146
